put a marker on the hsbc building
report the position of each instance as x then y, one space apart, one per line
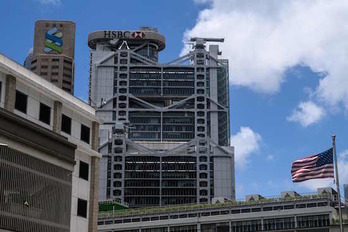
165 132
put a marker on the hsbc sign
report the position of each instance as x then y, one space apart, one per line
124 34
138 34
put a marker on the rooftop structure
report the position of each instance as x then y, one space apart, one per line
314 212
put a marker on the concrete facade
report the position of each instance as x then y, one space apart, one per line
40 103
53 54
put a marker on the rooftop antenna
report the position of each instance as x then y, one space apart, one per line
195 39
200 41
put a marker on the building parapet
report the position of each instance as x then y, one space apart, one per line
24 75
233 205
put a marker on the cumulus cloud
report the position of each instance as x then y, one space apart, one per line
343 175
264 38
50 2
201 1
245 143
307 113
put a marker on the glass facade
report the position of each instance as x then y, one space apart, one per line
147 176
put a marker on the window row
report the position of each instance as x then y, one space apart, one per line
21 104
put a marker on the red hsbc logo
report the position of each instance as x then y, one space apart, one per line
138 34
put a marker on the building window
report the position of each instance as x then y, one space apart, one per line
85 133
66 124
81 208
45 113
84 170
67 82
21 102
67 62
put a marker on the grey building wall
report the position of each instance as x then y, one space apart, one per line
174 144
223 176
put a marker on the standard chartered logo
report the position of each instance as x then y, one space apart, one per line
53 41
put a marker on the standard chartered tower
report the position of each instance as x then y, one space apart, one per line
165 136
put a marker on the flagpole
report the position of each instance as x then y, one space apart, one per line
337 182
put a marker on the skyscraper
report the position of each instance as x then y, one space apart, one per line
27 61
165 137
53 54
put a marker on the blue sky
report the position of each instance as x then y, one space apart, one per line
289 90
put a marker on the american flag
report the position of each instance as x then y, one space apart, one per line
313 167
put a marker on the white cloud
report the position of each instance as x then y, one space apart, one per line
307 113
202 1
343 175
263 38
270 157
48 2
245 143
30 51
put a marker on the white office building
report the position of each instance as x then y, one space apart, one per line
49 163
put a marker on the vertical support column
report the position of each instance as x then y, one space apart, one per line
296 225
197 171
93 197
201 118
198 227
161 81
262 225
57 118
214 123
123 171
90 78
161 124
10 93
94 182
160 182
95 136
229 226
